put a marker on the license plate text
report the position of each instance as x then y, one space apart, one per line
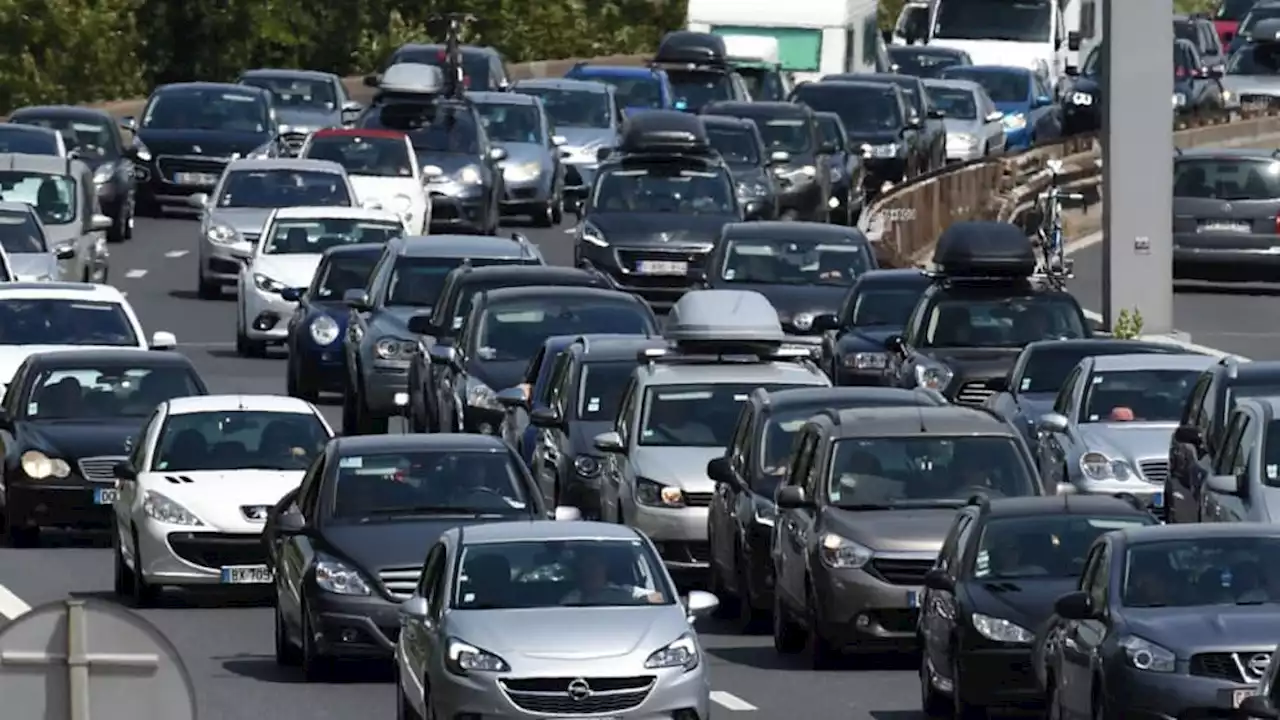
201 179
662 267
105 496
246 575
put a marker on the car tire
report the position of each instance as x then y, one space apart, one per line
287 653
367 423
545 216
145 594
315 667
206 290
751 619
119 230
1052 707
296 385
250 348
788 637
124 576
557 212
822 654
933 703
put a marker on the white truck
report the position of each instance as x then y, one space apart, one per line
1022 33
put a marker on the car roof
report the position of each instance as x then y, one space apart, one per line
16 207
287 73
507 294
1264 371
214 86
897 277
341 213
926 50
797 397
918 420
464 442
238 403
562 84
47 164
1109 345
953 84
1062 504
727 121
298 164
756 109
355 249
71 111
775 372
135 356
1150 361
464 49
531 274
614 348
1251 153
615 70
785 230
486 247
853 82
1194 531
60 291
544 531
1008 69
29 129
490 97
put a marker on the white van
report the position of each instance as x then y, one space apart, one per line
1022 33
815 37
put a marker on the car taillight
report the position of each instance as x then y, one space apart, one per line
1278 224
466 81
1180 72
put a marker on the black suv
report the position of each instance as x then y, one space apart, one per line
740 146
697 65
985 303
875 309
933 130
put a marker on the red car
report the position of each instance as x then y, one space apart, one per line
1227 19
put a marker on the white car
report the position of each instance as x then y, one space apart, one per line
193 497
44 316
293 240
382 167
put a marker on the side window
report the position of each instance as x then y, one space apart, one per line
445 302
963 543
376 273
309 495
625 412
552 393
1195 403
1094 581
916 320
1241 447
738 442
1062 403
812 478
435 558
950 547
1211 416
1226 456
534 366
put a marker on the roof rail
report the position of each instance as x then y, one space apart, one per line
709 354
981 500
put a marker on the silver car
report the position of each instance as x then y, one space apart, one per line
1245 485
974 125
1109 430
550 619
27 254
531 174
587 115
64 198
231 221
305 101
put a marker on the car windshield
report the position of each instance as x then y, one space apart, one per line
364 155
573 108
1043 546
283 188
967 321
207 109
695 89
90 139
50 321
1234 9
764 84
789 135
862 109
695 415
509 123
630 91
1227 178
1009 20
515 330
1001 86
735 145
1255 60
830 129
1047 366
665 190
600 389
396 484
417 281
925 470
297 93
1200 571
884 307
17 139
20 234
1185 31
53 196
238 440
107 391
314 236
1137 395
342 273
559 573
922 63
956 103
782 261
475 66
431 128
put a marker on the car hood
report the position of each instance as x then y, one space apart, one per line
682 467
571 633
382 188
392 543
291 270
959 125
74 439
205 493
1187 630
211 143
300 120
1029 55
976 363
28 267
916 530
662 229
868 339
1254 84
1132 440
1025 601
578 138
246 221
521 153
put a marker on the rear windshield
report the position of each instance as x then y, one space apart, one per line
1227 178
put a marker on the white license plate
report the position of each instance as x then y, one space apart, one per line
662 267
1225 227
913 599
201 179
1238 696
105 496
1157 500
246 575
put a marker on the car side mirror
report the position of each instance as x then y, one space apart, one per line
828 148
1072 71
163 341
1000 384
779 157
199 201
937 114
372 81
566 513
1043 101
6 421
291 523
718 470
100 223
1074 606
65 252
995 116
895 344
351 111
791 497
292 294
1052 423
124 471
602 154
610 442
497 154
938 579
825 322
415 608
443 355
422 325
1224 484
129 123
513 398
700 604
1073 41
356 299
545 418
1258 706
1189 434
559 141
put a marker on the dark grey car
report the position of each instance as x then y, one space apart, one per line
305 101
933 130
1226 213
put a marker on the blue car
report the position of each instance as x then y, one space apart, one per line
1030 114
516 428
318 323
637 88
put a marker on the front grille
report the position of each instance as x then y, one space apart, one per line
100 469
697 499
294 141
974 392
577 696
169 165
1244 667
218 550
400 582
897 571
1156 471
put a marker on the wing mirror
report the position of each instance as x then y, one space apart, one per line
1052 423
100 223
825 322
895 345
1043 101
566 513
415 608
995 116
1189 434
292 294
545 418
513 398
164 341
124 471
791 497
610 442
1073 41
357 299
1000 384
497 154
1225 484
700 604
718 469
291 523
199 201
1074 606
938 579
559 141
65 252
937 114
779 157
372 81
351 111
443 355
129 123
422 325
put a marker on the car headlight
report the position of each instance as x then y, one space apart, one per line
400 204
103 174
1179 100
886 150
483 397
339 578
866 361
222 235
802 321
1097 466
962 139
933 377
1015 121
842 553
38 466
655 494
764 514
522 172
1001 630
267 284
751 190
389 348
162 508
590 234
586 466
1080 98
805 172
324 330
462 657
682 652
1146 655
470 175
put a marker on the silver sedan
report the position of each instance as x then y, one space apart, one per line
974 127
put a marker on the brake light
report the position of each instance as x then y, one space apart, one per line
1278 224
1180 72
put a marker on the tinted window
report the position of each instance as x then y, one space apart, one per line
342 273
291 237
735 145
207 109
504 122
91 139
830 130
1001 322
239 440
631 91
370 155
19 234
1184 31
925 470
573 108
763 84
794 262
297 93
665 190
885 306
861 109
922 63
417 282
513 331
53 196
65 322
1016 20
1227 178
107 391
431 129
958 104
693 415
27 141
391 485
790 135
1048 365
775 448
1001 87
600 389
283 188
695 89
1202 571
1041 546
1137 395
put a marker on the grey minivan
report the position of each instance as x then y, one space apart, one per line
65 199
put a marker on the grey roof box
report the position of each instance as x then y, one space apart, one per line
724 316
412 79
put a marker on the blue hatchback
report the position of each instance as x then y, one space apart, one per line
1030 114
637 88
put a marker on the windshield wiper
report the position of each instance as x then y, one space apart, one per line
431 510
1002 586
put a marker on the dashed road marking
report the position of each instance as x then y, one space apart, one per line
175 253
729 701
570 231
135 274
11 606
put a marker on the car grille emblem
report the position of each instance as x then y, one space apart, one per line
665 237
579 690
196 149
1258 665
1226 207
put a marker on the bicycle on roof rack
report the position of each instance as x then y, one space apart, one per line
1052 260
455 83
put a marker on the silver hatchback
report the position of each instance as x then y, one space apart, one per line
559 619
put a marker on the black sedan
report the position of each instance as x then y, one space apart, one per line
875 309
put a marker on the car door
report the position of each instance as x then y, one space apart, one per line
1051 447
721 524
1081 638
417 633
1215 507
1184 458
937 608
295 553
790 544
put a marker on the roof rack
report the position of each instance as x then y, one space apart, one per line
665 133
720 326
692 49
412 79
1266 31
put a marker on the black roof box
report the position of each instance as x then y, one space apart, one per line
980 249
664 132
695 48
1266 31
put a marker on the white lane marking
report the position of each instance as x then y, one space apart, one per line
729 701
175 253
11 606
135 274
570 231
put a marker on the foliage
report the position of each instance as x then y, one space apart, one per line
889 11
1129 325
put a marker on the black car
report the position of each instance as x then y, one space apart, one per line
740 146
94 137
503 331
441 327
69 417
1197 85
799 154
698 68
925 61
875 309
657 207
933 129
1195 446
191 131
983 307
1082 96
586 387
378 345
346 547
742 515
483 68
848 171
805 269
879 122
1002 566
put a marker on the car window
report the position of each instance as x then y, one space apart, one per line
107 391
239 440
404 483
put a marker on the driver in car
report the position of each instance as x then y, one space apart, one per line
594 586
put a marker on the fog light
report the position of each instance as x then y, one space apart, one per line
349 635
266 321
400 399
863 622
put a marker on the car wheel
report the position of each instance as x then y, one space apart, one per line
1052 708
823 655
932 702
207 290
249 348
751 619
315 667
124 577
545 216
145 594
287 653
788 637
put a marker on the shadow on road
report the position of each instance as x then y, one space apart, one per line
265 669
187 599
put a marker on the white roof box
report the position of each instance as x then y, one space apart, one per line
412 78
752 48
724 316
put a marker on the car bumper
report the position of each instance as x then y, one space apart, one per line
963 152
1237 250
527 194
69 503
323 368
860 611
1140 695
619 265
266 314
353 627
998 676
386 390
1081 119
461 209
680 535
174 555
222 263
158 178
846 377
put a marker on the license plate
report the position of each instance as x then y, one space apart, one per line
201 179
662 267
913 599
1238 696
105 496
1157 500
246 575
1225 227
